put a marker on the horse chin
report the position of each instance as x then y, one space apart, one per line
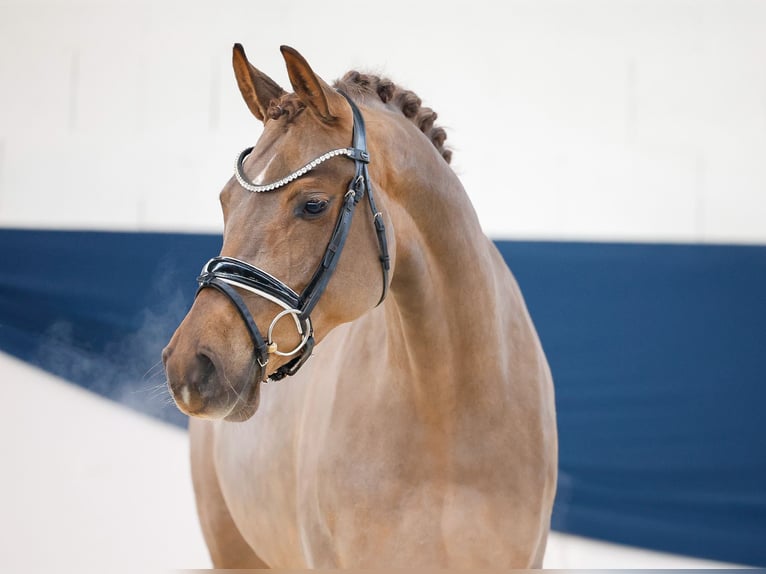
244 405
244 408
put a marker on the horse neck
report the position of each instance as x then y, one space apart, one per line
444 310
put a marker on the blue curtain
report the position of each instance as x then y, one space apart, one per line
657 353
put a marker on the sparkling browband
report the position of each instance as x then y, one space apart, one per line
249 186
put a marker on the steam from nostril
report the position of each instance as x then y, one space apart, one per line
125 363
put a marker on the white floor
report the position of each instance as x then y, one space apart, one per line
87 485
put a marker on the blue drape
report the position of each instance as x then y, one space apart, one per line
657 353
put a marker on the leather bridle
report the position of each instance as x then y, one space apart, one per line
226 274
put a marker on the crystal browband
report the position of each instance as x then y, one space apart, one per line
239 171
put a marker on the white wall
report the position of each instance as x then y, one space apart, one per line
597 119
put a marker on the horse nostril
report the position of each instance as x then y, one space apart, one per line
202 371
166 352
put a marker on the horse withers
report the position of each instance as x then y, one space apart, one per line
422 432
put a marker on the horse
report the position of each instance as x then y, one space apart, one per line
422 432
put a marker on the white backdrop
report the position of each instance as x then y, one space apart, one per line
597 119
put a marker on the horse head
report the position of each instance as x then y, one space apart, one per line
280 283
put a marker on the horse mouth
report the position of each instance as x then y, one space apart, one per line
215 400
246 403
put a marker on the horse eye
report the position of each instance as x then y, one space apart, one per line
314 207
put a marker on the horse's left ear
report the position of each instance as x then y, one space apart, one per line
309 87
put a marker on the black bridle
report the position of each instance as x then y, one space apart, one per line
226 274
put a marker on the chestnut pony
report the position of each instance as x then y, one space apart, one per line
422 432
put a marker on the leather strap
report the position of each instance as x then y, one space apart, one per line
317 285
259 345
380 231
359 139
249 275
292 367
358 187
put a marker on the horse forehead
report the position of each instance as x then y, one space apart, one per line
271 155
291 141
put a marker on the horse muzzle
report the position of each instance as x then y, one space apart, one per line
201 388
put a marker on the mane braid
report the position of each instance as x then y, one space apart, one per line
356 83
361 85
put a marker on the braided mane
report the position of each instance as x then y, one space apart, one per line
363 85
408 102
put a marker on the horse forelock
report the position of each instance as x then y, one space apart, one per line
365 86
288 106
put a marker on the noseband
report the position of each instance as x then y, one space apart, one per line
227 274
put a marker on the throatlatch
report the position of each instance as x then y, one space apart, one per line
227 274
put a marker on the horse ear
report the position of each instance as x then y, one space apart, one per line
309 87
256 87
